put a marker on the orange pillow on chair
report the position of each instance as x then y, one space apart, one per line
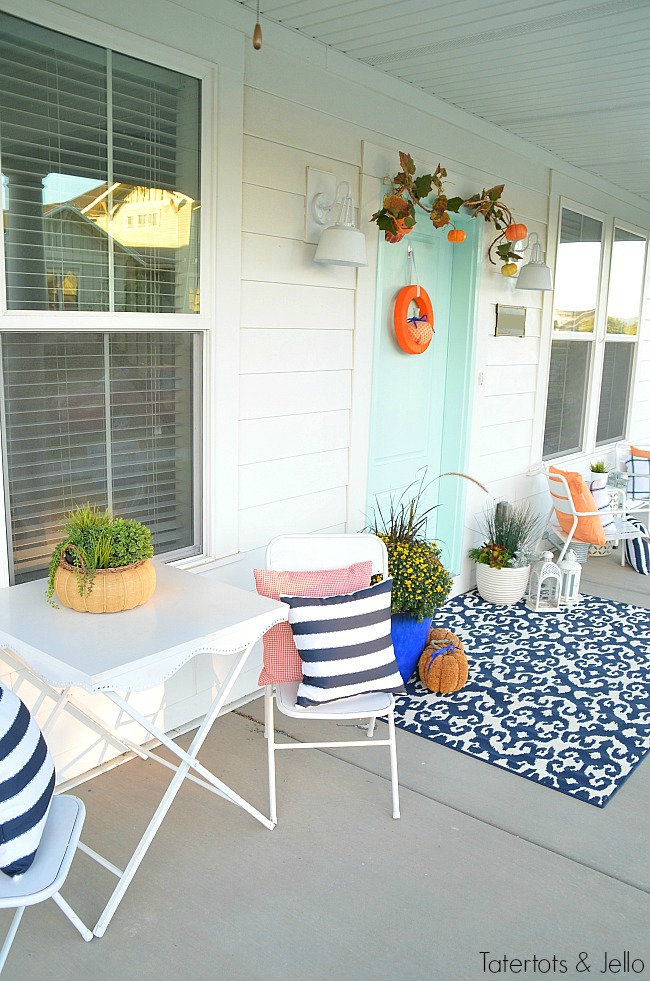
635 451
590 529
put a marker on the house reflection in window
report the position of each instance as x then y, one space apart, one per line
63 291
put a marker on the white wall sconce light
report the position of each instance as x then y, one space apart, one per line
535 275
341 243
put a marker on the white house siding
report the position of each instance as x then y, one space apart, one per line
290 385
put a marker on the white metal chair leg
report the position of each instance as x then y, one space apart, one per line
393 763
371 727
269 732
9 939
72 916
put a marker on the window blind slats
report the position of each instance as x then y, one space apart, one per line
614 391
62 450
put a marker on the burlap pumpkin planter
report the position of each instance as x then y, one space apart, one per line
443 665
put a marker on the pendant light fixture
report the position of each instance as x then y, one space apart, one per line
257 33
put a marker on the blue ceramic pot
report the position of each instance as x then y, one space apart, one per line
409 639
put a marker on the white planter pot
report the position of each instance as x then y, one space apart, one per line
501 586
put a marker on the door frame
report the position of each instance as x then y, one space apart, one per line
461 357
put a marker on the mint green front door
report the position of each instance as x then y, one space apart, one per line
421 403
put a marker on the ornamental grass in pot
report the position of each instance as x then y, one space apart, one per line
503 560
420 581
101 565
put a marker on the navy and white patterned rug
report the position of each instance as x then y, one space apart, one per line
559 698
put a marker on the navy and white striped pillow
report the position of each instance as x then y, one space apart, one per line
26 785
344 644
637 550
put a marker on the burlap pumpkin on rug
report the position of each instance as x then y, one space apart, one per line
443 664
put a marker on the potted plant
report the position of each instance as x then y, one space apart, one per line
101 565
503 560
420 581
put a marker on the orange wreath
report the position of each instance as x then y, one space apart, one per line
413 334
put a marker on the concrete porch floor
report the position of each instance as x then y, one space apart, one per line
481 860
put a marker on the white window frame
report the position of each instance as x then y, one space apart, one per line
220 260
598 338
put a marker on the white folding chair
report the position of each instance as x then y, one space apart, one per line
49 869
310 552
638 506
562 501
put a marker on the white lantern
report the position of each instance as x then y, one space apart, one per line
544 585
571 571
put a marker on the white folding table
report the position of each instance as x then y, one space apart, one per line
113 654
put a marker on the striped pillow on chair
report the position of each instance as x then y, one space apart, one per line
637 550
26 785
345 644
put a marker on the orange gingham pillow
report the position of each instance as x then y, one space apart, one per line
281 658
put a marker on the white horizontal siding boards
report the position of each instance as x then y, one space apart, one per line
294 393
519 379
296 515
268 258
503 408
271 163
287 305
279 437
277 480
264 351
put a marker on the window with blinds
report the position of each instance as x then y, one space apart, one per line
100 177
109 418
590 382
575 302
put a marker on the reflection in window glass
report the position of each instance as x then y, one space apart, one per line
565 405
577 272
124 223
625 283
614 391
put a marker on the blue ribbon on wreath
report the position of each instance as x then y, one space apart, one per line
418 320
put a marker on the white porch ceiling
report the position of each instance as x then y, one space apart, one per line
571 76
